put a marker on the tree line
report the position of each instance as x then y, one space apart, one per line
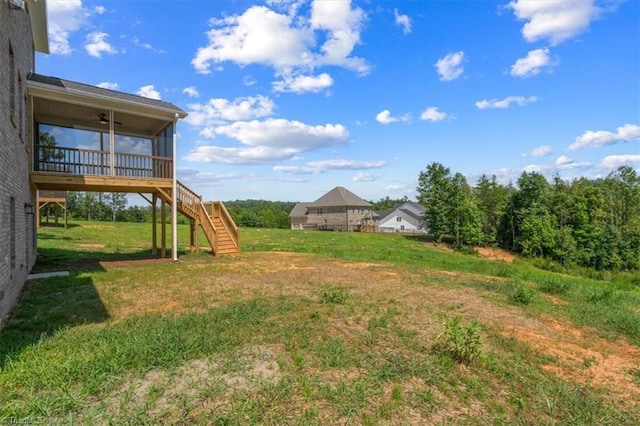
585 222
113 207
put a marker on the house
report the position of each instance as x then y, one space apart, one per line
406 217
23 31
337 210
298 216
61 135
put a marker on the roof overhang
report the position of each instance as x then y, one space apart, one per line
78 97
70 107
38 16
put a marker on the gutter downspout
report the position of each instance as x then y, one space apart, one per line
174 194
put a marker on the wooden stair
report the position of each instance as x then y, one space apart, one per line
218 226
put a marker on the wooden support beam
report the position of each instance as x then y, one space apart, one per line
165 195
192 236
163 228
145 197
154 225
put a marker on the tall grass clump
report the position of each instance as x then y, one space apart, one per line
461 342
553 285
520 294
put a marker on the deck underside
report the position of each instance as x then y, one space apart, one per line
71 182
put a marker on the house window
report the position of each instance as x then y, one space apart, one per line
12 222
402 227
12 85
398 219
319 211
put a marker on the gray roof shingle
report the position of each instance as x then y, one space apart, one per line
340 196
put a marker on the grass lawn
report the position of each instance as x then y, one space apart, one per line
313 328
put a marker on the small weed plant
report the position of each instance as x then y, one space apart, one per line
520 294
461 342
336 296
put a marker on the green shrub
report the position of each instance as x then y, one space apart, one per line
520 294
461 342
336 296
554 286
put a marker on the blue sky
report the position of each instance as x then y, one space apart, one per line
290 98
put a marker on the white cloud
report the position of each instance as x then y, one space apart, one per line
533 63
269 140
260 36
450 67
403 20
219 110
615 161
341 25
248 80
366 177
148 92
626 133
64 17
316 167
384 117
554 20
286 42
563 159
191 91
100 10
96 44
540 151
432 114
285 134
339 164
295 170
108 85
303 83
506 102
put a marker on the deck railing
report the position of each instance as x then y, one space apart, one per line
92 162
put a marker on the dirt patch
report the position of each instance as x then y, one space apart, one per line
493 253
90 246
159 390
582 357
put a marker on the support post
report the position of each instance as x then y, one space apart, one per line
154 224
112 143
163 228
174 194
66 215
38 209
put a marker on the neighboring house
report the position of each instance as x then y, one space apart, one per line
23 31
298 216
406 217
337 210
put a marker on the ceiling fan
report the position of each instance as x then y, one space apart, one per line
103 119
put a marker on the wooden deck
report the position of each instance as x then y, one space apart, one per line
71 182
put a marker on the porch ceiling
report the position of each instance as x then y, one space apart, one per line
88 117
73 104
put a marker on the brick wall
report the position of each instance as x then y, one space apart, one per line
335 218
15 34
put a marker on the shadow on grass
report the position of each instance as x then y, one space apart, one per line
49 305
54 259
58 225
